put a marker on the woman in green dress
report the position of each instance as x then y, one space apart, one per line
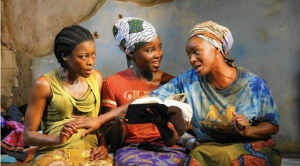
72 89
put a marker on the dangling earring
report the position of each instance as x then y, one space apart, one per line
129 61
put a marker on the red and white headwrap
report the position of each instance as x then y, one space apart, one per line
217 35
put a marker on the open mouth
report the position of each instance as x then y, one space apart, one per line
156 64
89 71
197 67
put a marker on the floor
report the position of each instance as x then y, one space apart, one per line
290 161
285 162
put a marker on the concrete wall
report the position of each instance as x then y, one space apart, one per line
16 77
266 35
28 30
8 75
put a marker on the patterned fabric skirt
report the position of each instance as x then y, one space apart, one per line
147 155
235 154
69 157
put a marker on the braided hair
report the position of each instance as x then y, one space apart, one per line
67 40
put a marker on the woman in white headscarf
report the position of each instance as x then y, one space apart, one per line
147 143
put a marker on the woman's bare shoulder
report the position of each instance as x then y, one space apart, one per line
41 82
41 87
99 77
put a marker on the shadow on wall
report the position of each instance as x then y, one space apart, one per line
297 82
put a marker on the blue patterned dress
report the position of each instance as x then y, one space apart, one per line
212 113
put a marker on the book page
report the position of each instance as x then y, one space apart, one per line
178 97
186 109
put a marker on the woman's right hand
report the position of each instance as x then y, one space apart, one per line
67 131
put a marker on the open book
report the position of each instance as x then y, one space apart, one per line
173 104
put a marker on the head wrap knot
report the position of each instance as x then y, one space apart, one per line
217 35
131 34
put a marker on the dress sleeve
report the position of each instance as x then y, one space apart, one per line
269 110
109 92
172 87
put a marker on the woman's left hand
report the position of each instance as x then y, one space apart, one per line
241 124
161 120
66 132
157 118
99 153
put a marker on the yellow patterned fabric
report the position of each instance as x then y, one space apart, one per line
70 157
62 105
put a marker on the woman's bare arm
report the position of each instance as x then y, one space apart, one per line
260 131
93 124
40 91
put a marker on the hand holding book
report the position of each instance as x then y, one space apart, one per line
121 117
172 110
158 118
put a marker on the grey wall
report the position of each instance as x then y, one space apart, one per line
266 34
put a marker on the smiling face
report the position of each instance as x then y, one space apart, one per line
148 57
202 55
83 58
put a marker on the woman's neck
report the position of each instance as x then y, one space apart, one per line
69 76
222 77
147 76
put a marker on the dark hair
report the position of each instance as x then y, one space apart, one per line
67 40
